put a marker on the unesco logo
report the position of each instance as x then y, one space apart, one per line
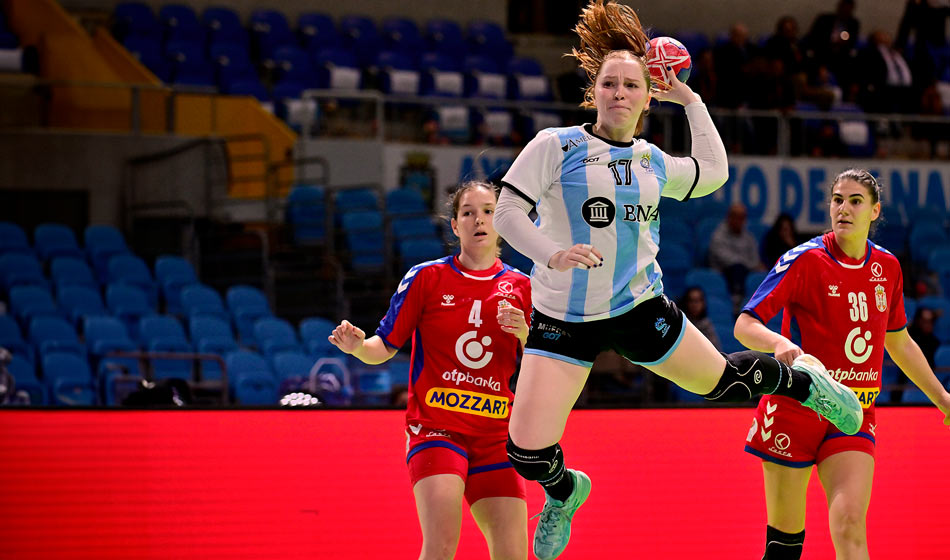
599 212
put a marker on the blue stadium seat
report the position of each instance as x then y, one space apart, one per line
212 336
232 63
12 339
367 250
292 64
487 38
398 73
54 334
939 259
156 327
704 232
710 280
247 305
13 239
274 335
527 81
190 65
361 220
942 362
405 201
677 232
413 228
938 304
270 31
314 332
131 270
445 36
27 302
924 238
250 378
719 310
106 334
942 329
352 200
18 269
199 299
306 214
69 271
129 304
134 18
373 385
292 370
148 50
317 31
675 261
415 251
78 302
55 240
359 34
68 380
102 242
180 23
253 88
441 75
223 25
401 34
337 68
172 274
483 78
28 390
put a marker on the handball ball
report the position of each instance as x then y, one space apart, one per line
667 51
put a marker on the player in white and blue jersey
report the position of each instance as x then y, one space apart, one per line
596 284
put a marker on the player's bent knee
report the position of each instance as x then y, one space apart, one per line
780 545
535 464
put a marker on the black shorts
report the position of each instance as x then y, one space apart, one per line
645 335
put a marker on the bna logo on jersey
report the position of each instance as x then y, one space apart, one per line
599 212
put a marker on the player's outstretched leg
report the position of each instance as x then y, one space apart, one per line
554 524
828 397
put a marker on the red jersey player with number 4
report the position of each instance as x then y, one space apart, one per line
844 295
466 316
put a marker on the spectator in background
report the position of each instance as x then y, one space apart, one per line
887 82
733 250
831 41
731 60
926 21
781 237
921 329
693 304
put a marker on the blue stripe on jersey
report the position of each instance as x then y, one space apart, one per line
395 304
628 235
510 268
418 355
659 171
879 248
439 443
574 197
778 272
865 435
659 166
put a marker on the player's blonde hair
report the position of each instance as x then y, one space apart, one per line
609 30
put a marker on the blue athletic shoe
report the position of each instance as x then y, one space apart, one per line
554 526
828 397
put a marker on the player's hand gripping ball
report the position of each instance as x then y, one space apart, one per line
666 52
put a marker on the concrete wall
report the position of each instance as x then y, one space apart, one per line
58 160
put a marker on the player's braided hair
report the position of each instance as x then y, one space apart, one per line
608 30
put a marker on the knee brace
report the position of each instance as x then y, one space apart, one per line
542 465
748 374
783 546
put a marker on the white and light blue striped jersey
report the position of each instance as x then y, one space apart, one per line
589 189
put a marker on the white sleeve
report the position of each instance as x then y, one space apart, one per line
535 168
707 168
513 224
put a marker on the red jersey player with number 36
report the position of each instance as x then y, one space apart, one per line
466 316
844 294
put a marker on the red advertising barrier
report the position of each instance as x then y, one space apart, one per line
333 484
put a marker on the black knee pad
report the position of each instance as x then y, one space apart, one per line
536 464
783 546
748 374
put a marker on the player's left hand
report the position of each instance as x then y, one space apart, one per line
511 320
678 92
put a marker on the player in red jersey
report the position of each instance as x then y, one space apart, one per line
466 315
844 295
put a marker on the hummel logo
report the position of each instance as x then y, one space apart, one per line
833 290
447 300
770 408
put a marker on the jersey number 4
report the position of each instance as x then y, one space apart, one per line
475 315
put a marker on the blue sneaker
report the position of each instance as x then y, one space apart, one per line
554 527
828 397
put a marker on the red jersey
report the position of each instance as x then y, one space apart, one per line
461 359
842 308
